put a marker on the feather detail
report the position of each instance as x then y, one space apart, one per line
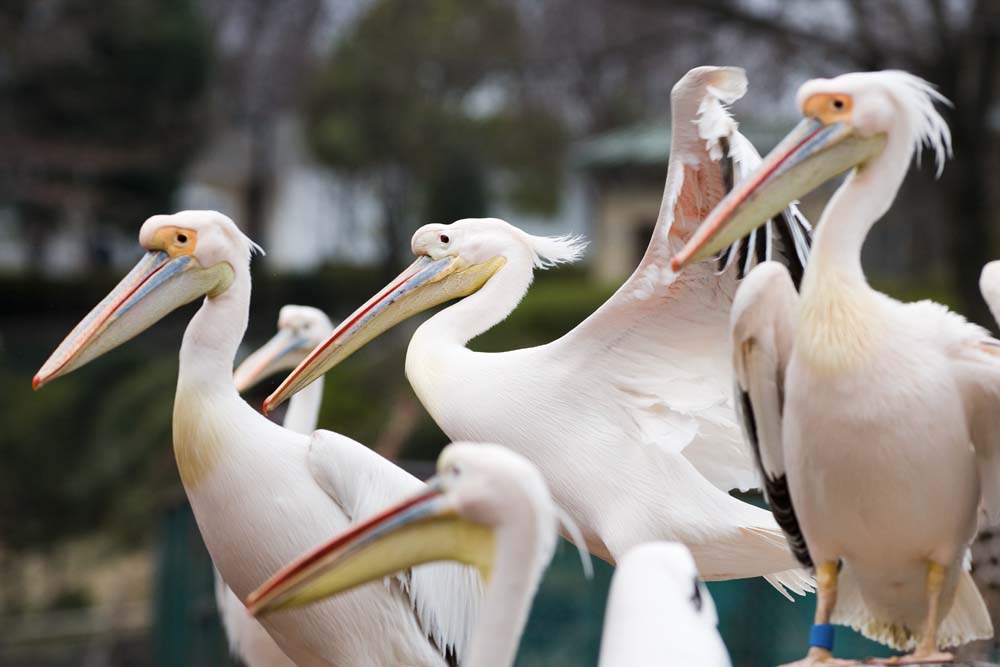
551 251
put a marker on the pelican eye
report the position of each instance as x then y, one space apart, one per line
182 238
838 104
444 238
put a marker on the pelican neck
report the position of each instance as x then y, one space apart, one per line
863 198
481 311
524 547
213 336
303 408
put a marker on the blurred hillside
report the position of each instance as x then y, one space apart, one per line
330 130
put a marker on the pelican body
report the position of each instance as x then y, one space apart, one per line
629 416
261 494
875 421
489 507
300 328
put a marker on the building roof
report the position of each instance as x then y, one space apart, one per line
648 144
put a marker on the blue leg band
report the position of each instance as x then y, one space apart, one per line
821 636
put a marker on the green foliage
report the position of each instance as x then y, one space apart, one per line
556 303
528 144
104 103
73 598
401 91
76 455
457 189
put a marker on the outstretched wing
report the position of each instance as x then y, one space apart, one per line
763 327
660 342
445 597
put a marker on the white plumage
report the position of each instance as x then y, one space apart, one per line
490 506
300 328
262 494
629 416
659 613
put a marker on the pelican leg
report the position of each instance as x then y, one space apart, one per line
927 650
826 600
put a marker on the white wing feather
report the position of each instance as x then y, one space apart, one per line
661 340
247 638
445 597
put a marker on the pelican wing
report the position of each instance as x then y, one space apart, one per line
661 340
445 597
763 326
978 363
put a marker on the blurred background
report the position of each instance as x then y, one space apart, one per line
330 130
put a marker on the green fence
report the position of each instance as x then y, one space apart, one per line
759 626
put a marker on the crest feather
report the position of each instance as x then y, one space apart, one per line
552 250
917 97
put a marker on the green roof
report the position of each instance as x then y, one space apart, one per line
648 144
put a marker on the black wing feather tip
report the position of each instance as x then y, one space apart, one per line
775 488
795 236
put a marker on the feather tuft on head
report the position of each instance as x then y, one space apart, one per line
916 98
550 251
255 248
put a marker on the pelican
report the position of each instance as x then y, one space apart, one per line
300 329
489 507
629 416
262 494
875 421
989 285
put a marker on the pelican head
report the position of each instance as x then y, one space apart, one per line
673 566
480 493
659 612
847 123
453 261
300 329
188 255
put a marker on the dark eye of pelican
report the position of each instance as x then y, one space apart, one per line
838 104
444 238
182 238
696 596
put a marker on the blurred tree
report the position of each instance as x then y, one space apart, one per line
266 49
456 188
417 90
100 107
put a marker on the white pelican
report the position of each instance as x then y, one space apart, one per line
877 423
300 329
989 285
629 416
659 613
489 507
262 494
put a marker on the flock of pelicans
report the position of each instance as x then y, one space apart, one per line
872 425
